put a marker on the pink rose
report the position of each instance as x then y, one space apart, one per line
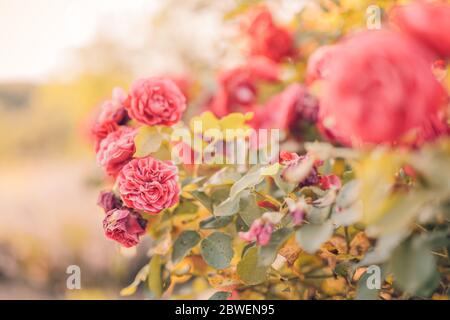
285 109
287 158
238 87
329 182
116 150
149 184
318 63
267 39
260 231
372 95
124 226
155 101
430 130
427 23
108 201
112 114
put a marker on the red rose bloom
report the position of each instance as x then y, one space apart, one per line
238 87
286 108
112 114
149 184
124 226
155 101
330 181
287 158
427 23
116 150
372 95
319 62
267 39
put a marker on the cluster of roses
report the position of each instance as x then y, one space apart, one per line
270 45
379 86
143 184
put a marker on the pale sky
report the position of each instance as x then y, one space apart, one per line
36 34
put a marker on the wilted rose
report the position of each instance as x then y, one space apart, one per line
124 226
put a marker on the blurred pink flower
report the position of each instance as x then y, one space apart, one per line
318 63
155 101
285 109
382 98
330 181
427 23
287 158
124 226
238 87
116 150
149 184
112 114
260 231
266 38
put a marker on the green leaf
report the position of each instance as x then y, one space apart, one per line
184 243
268 253
220 295
347 216
283 185
348 194
413 265
141 276
248 269
154 280
311 236
252 178
192 180
147 140
201 197
318 215
249 210
228 208
215 222
217 250
185 207
219 194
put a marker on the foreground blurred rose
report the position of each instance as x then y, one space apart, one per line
238 87
149 184
124 226
266 38
116 150
373 95
318 63
112 114
155 101
427 23
284 109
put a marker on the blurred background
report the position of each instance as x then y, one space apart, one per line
58 61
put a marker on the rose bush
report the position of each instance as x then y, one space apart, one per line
309 217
